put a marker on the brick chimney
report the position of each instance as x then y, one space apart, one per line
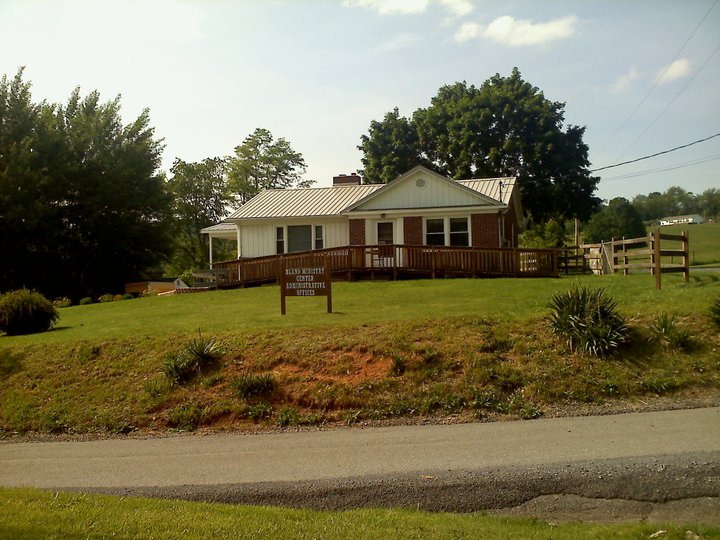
347 180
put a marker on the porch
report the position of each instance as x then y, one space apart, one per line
393 261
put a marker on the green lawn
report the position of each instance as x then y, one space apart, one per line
478 348
356 304
31 514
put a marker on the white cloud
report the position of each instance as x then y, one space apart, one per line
513 32
390 7
510 31
677 70
468 31
458 8
626 80
455 8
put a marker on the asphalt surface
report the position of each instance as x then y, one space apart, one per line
632 463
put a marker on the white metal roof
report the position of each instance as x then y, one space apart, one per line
220 227
279 203
491 187
332 201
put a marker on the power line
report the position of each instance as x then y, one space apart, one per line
658 79
671 102
663 169
656 154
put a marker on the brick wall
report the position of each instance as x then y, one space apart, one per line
357 232
413 229
485 230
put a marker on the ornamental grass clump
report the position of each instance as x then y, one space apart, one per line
588 321
26 312
664 329
715 311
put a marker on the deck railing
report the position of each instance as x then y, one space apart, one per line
395 261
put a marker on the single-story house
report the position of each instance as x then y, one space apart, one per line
678 220
420 207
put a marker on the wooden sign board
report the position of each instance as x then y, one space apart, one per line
305 281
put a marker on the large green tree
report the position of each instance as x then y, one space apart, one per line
506 127
261 162
619 219
201 197
82 206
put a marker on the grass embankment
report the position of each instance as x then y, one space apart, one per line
37 514
477 348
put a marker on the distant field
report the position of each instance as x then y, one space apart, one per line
704 242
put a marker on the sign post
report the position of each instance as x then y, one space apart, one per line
305 281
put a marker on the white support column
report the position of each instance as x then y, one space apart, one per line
211 250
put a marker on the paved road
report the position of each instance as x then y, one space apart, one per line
656 456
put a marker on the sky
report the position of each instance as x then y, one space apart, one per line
643 76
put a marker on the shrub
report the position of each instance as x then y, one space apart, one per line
26 312
715 311
106 298
666 331
85 301
127 296
588 320
250 386
117 297
62 302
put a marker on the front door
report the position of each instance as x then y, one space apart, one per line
385 233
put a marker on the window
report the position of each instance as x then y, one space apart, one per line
319 242
299 238
279 240
459 235
435 232
447 232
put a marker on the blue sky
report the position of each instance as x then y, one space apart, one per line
642 76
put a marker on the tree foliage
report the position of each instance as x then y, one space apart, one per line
506 127
619 219
261 162
82 208
676 201
201 198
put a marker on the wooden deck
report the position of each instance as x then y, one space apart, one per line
393 262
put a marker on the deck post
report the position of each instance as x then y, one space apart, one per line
686 255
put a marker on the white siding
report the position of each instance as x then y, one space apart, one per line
407 194
259 240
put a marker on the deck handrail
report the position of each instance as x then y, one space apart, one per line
395 260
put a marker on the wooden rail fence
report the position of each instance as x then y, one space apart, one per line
634 254
394 262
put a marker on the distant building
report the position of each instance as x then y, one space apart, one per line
678 220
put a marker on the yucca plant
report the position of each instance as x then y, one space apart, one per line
588 321
665 330
201 353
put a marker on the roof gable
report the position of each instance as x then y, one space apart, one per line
423 188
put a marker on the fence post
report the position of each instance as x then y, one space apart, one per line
686 255
626 260
656 256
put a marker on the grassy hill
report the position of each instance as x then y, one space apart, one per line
704 242
468 348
